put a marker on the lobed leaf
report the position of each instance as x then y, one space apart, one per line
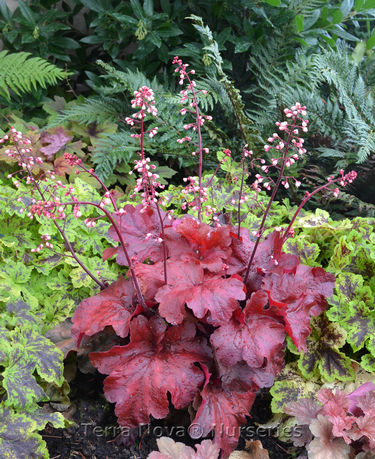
157 361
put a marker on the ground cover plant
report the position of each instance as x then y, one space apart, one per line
190 286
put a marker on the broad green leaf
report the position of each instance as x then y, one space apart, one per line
242 45
359 51
148 6
299 22
26 12
341 33
337 16
137 8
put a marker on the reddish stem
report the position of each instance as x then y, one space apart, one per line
157 209
122 242
239 198
200 146
303 202
101 284
274 191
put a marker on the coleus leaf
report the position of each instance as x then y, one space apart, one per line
18 433
141 232
156 361
111 307
300 246
352 308
224 413
291 386
322 356
187 284
304 293
256 338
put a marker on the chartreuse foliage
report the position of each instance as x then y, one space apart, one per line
346 248
37 291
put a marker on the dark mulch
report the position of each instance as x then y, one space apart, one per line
96 434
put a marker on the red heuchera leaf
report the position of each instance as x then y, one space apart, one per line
223 412
56 141
112 306
156 361
256 338
304 293
207 244
203 294
201 236
150 278
140 231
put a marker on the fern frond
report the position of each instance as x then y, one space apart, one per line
91 110
21 73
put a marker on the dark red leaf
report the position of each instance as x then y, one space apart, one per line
299 297
207 244
140 231
224 413
156 361
257 339
112 306
188 285
150 278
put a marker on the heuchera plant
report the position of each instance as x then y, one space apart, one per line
342 424
204 309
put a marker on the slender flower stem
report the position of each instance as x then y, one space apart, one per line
101 284
92 173
149 184
200 146
274 191
240 197
122 242
303 202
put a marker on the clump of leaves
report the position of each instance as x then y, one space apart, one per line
199 299
341 424
169 449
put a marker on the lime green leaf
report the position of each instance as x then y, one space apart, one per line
299 22
370 43
273 2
